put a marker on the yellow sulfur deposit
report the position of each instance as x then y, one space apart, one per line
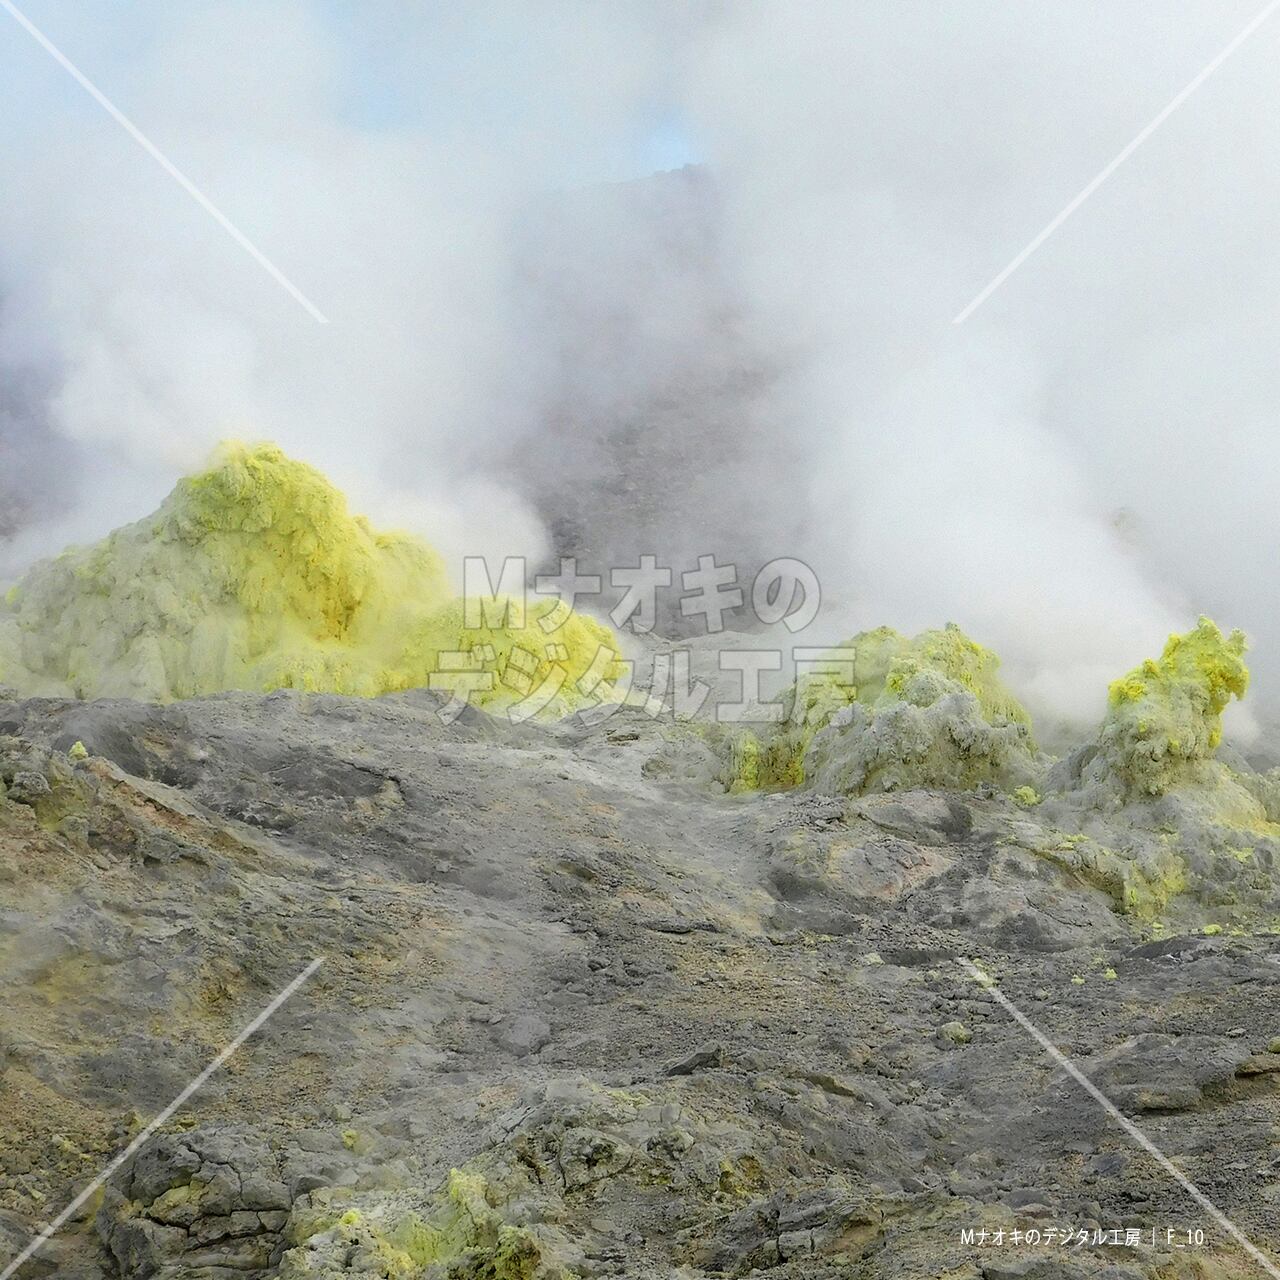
890 666
893 712
463 1234
254 575
1164 719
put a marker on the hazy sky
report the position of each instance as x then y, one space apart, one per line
1085 463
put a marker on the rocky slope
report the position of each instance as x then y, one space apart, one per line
583 1013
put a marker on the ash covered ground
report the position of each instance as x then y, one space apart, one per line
584 1012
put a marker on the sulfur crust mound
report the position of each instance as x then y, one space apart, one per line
1151 802
254 575
463 1233
894 713
1164 719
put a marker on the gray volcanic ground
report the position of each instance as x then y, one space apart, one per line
656 1029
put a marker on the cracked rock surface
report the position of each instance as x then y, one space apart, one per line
583 1014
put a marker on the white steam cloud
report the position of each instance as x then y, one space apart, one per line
762 364
162 336
885 161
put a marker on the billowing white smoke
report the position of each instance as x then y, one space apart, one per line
1078 468
1088 460
379 160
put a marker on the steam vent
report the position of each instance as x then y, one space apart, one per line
581 986
254 575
